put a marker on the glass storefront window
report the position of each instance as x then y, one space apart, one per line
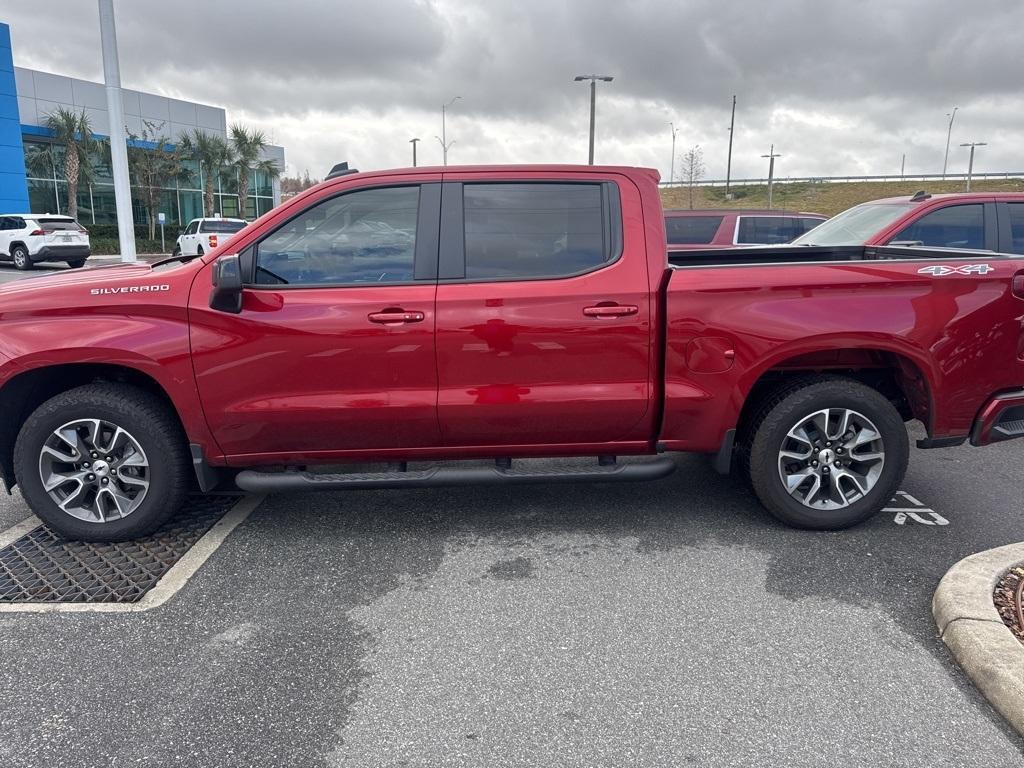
42 196
228 206
191 206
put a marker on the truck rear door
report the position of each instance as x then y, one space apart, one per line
544 311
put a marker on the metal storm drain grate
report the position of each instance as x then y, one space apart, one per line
41 568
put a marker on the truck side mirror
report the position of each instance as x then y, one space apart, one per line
226 295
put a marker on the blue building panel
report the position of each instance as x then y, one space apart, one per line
13 183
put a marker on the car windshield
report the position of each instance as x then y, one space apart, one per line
223 226
854 226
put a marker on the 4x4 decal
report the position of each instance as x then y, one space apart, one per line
941 270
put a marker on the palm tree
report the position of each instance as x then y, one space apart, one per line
74 132
212 153
153 170
248 145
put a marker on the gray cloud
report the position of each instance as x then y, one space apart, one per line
838 87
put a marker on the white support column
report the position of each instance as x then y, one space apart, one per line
118 139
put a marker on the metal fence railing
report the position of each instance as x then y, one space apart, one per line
827 179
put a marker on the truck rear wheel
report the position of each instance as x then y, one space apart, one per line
828 454
102 462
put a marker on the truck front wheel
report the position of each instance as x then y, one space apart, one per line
102 462
827 455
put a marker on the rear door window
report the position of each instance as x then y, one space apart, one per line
1016 211
518 231
770 230
956 226
691 230
223 227
55 225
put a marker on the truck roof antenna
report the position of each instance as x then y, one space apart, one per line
916 198
341 169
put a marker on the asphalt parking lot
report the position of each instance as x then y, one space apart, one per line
670 623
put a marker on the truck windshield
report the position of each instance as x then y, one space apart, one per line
854 226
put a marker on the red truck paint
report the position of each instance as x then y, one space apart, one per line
518 368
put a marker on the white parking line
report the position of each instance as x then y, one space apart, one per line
165 588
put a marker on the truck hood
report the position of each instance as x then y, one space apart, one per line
116 289
89 277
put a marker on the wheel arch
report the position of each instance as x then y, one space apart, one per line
28 389
904 379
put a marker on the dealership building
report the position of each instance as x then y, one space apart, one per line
26 98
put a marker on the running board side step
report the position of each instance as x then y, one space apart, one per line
436 477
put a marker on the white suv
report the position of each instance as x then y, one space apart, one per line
202 235
28 238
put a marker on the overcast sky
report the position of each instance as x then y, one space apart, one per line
839 87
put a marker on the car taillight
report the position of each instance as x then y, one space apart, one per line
83 231
213 241
37 232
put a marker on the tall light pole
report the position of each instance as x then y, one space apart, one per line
413 142
771 172
118 145
728 162
593 104
970 163
949 132
672 171
443 138
903 165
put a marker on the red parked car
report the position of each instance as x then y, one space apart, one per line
729 227
498 313
989 221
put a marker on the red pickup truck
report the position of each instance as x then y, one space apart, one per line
500 313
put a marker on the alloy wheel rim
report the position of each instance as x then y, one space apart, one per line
831 458
94 470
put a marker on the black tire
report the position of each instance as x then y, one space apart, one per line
152 425
199 250
20 257
176 251
76 263
785 410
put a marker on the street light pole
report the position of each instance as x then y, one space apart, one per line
413 142
672 171
970 163
118 145
949 132
593 105
728 162
771 172
443 138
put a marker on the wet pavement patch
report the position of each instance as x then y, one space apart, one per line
516 568
40 567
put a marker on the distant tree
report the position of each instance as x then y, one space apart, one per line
293 185
213 153
693 168
73 131
153 170
247 147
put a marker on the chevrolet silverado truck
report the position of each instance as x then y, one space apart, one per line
412 319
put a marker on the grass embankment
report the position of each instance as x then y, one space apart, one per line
829 197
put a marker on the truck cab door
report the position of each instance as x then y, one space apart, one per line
332 352
544 312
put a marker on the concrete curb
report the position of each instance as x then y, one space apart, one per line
973 631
